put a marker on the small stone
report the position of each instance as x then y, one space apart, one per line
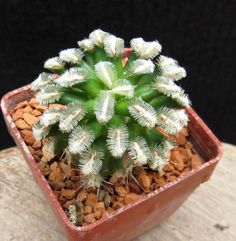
31 149
177 160
56 174
160 181
134 187
28 109
189 145
18 114
98 214
89 218
21 124
181 139
44 167
131 197
110 210
30 119
57 185
186 154
196 161
169 168
88 209
120 190
82 196
21 105
91 199
120 199
33 102
68 194
37 145
144 180
28 136
65 168
36 113
171 178
116 205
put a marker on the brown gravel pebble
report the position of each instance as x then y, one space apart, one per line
91 199
21 124
37 144
120 190
110 210
144 180
196 161
36 112
18 114
82 195
88 209
116 205
68 194
28 136
131 197
56 174
21 105
28 109
30 119
98 214
89 218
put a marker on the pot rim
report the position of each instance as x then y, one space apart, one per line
106 217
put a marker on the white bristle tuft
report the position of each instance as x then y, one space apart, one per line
86 45
117 140
166 86
93 181
171 120
48 94
143 113
158 158
91 161
40 131
113 46
54 64
71 115
80 139
145 49
42 80
139 151
50 117
141 66
73 55
71 77
123 87
104 106
97 37
170 68
106 72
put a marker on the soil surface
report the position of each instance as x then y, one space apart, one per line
86 206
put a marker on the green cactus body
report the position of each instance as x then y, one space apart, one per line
111 108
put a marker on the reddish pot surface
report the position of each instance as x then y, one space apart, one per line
136 218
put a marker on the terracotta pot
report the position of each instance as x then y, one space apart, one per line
136 218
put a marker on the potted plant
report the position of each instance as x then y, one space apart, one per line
110 137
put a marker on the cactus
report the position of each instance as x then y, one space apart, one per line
111 105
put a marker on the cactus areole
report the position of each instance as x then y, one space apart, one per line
112 106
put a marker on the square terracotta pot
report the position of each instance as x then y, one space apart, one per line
136 218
